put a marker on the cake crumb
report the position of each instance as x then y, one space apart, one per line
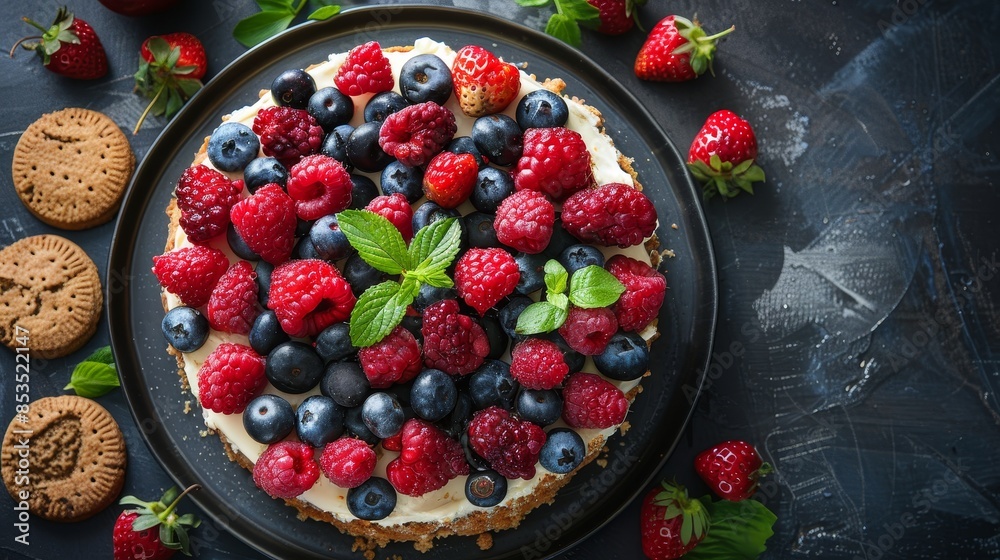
424 544
187 407
669 253
603 463
485 541
674 226
624 428
365 546
203 433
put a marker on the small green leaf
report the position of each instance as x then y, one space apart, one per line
145 521
438 279
326 12
183 540
188 86
592 286
579 10
276 6
555 277
167 536
170 495
378 242
102 355
258 27
558 300
435 246
92 379
378 311
540 317
131 501
738 531
564 28
754 174
532 3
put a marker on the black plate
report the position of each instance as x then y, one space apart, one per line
596 494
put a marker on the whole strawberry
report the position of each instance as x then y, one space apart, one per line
483 83
671 524
170 70
69 47
732 469
153 531
722 155
676 50
617 16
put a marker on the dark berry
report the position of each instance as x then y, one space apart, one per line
382 414
465 145
268 419
345 383
319 420
238 245
541 109
498 138
381 105
294 367
335 144
266 333
626 357
532 269
429 212
485 488
414 324
304 249
562 451
328 239
425 77
374 499
356 426
560 240
361 275
539 406
495 334
263 272
363 150
185 328
302 227
430 294
403 179
481 233
293 88
475 461
333 343
455 423
433 395
232 146
330 108
572 358
492 187
492 385
578 256
510 312
264 171
363 191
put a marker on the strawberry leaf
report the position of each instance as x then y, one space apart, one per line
378 311
378 242
738 530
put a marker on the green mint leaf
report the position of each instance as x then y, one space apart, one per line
540 317
592 286
102 355
435 245
378 242
580 10
555 277
260 26
410 286
276 6
532 3
738 531
92 379
378 311
438 279
564 28
326 12
558 300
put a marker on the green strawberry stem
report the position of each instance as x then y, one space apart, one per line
701 46
173 505
149 108
695 521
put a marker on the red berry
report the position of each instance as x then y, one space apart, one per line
191 53
588 330
319 185
266 223
483 277
190 273
394 359
428 460
157 518
309 295
366 70
393 443
555 161
676 50
722 155
171 71
204 197
732 469
70 47
645 288
524 221
415 133
286 469
483 83
453 343
590 401
231 376
130 544
538 363
287 134
232 306
509 445
397 210
664 511
450 178
611 214
348 462
616 16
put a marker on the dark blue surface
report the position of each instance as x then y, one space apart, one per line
858 327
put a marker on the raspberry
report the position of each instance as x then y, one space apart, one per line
555 161
588 330
429 459
590 401
538 363
453 343
230 378
232 306
319 185
204 197
309 295
190 273
415 133
366 70
524 221
266 222
287 134
645 288
393 443
509 445
348 462
611 214
394 359
450 177
397 210
286 469
483 277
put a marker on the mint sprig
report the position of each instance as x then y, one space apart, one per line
738 530
275 16
590 287
95 376
378 242
564 24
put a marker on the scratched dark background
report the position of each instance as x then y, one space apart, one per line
858 333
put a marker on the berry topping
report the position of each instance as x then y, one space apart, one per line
348 462
450 177
433 395
293 88
327 239
382 415
345 383
483 83
645 288
268 419
266 223
287 134
453 342
524 221
483 277
538 363
362 148
264 171
541 109
485 488
555 161
592 402
286 469
415 133
588 330
366 70
374 499
498 138
492 187
542 407
511 446
425 77
230 378
492 385
294 367
319 420
204 197
330 108
397 210
564 450
579 256
232 307
428 460
319 185
394 359
308 296
381 105
190 273
185 328
232 146
626 357
611 214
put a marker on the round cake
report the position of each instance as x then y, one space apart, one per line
412 289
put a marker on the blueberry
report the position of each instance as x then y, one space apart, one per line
293 367
374 499
456 423
532 270
425 77
328 239
361 275
509 314
185 328
465 145
562 451
481 230
333 343
266 333
302 227
293 88
403 179
625 358
542 407
335 144
357 428
492 384
560 240
485 488
471 457
578 256
263 279
433 395
492 186
383 415
401 392
430 212
345 383
494 333
414 324
541 109
304 249
572 358
232 146
381 105
498 138
268 419
264 171
319 420
363 150
330 108
238 245
429 294
363 191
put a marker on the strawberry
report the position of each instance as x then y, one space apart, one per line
671 524
676 50
153 531
69 47
617 16
722 155
170 70
732 469
450 178
483 83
